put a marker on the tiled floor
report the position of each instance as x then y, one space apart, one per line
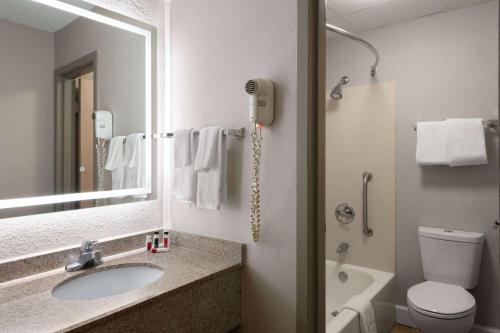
404 329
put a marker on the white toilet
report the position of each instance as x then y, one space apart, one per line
451 261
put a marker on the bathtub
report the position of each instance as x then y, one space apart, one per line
378 286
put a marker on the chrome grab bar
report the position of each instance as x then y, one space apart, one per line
367 176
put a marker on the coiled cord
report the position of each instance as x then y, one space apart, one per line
101 155
255 217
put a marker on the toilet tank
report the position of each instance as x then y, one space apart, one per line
451 256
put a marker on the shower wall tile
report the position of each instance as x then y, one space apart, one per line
360 136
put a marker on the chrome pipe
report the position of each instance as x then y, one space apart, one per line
345 33
367 231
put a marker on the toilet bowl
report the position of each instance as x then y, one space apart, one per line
437 307
450 260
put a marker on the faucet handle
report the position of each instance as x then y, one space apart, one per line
88 246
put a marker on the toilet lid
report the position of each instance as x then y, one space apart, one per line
441 298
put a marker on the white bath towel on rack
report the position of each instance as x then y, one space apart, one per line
466 142
431 143
211 167
185 182
364 308
116 162
182 148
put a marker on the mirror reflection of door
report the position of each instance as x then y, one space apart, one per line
85 138
75 104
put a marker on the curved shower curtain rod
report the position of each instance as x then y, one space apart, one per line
342 32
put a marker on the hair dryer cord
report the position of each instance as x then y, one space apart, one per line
255 218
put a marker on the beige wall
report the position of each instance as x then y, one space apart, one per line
31 234
217 46
444 65
120 68
360 136
26 111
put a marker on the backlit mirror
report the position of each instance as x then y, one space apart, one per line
75 107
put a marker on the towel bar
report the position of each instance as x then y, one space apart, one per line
491 124
236 132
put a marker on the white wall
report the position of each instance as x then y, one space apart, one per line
51 231
26 111
444 65
216 47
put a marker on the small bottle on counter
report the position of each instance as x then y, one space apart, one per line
149 242
159 250
166 240
156 239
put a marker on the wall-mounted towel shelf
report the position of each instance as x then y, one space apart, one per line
236 132
491 124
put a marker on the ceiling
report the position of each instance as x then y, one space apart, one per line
38 16
360 15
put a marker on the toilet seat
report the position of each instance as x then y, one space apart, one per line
441 300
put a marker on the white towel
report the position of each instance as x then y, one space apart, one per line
116 162
211 166
364 308
208 149
432 143
182 148
185 178
135 158
466 142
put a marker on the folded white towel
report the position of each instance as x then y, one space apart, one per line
185 181
211 166
208 149
135 158
182 148
116 162
432 143
466 142
364 308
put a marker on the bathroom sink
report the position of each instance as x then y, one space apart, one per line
110 281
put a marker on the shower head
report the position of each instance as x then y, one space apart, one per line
337 91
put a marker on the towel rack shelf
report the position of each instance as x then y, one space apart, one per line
236 132
491 124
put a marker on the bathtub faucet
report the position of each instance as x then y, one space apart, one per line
342 248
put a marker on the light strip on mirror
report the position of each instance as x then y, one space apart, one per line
93 16
62 198
148 106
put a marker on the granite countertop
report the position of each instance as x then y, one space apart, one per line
27 305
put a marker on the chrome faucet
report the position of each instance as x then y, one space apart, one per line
88 257
342 248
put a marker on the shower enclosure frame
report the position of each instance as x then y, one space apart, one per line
310 208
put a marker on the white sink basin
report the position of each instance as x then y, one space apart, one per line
107 282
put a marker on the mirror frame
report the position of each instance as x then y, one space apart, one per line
149 93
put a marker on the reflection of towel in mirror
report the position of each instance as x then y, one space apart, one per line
116 162
135 157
